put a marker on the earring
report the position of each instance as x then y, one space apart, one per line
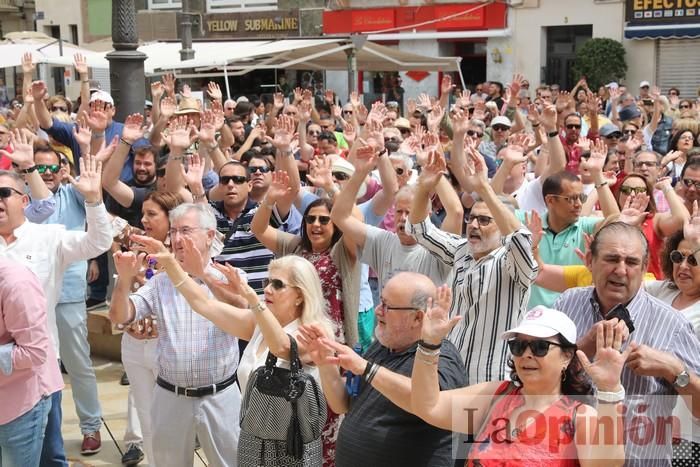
298 303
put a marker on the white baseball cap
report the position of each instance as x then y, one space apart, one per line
102 96
544 322
612 85
644 84
501 120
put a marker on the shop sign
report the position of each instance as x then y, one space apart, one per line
273 23
663 11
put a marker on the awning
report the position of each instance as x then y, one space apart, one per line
663 31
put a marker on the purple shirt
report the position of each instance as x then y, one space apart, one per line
28 363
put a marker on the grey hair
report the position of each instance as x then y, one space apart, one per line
15 178
621 230
508 201
659 157
405 158
478 123
206 217
419 299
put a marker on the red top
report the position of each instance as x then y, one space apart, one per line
547 441
656 245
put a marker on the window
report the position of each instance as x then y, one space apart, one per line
214 6
163 4
73 33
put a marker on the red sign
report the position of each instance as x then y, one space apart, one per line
381 18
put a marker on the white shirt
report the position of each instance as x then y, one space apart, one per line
48 249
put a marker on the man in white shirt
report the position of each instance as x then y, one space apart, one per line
48 249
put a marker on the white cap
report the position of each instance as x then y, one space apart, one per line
644 83
544 322
242 99
339 164
501 120
102 96
612 85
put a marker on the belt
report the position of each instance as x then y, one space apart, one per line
197 392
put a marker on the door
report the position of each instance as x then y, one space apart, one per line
562 43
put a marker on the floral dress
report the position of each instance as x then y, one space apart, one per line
332 287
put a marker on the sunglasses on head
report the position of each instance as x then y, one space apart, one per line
500 128
341 176
677 258
483 221
474 133
323 220
57 108
632 189
691 183
42 168
6 192
263 169
236 179
573 126
276 284
539 347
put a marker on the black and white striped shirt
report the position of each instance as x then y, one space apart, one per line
660 327
490 294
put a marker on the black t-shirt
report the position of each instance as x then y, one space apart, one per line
375 432
132 214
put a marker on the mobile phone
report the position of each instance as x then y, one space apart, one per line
621 312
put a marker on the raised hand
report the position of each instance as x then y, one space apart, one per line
169 84
133 128
424 102
435 117
214 91
310 336
516 84
533 222
279 187
320 174
609 358
446 85
97 117
378 112
583 143
549 116
207 129
329 96
362 113
433 170
23 153
298 95
80 64
587 240
106 150
190 258
354 100
195 171
634 143
463 98
634 210
479 111
39 90
128 264
167 107
157 91
28 64
437 323
217 109
278 101
615 94
235 283
411 105
476 170
178 137
363 156
90 182
598 152
283 131
349 133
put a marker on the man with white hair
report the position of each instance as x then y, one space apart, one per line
196 394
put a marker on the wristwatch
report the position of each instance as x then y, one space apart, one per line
552 134
27 171
682 380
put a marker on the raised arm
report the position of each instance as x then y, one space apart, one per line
260 225
82 69
607 201
39 90
23 156
342 216
178 140
167 109
122 193
458 158
667 223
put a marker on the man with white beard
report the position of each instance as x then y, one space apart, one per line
492 269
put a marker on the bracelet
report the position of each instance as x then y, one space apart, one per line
428 353
600 185
268 206
535 126
367 368
123 141
425 345
258 307
198 197
372 373
611 397
552 134
96 135
177 286
177 158
27 171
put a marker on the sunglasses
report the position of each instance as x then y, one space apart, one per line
56 108
677 258
473 133
629 132
6 192
684 106
500 128
42 168
323 220
262 169
341 176
236 179
399 171
572 199
614 136
313 133
691 183
404 130
632 189
539 347
573 126
483 221
347 111
276 284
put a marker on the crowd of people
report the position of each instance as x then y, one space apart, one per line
504 277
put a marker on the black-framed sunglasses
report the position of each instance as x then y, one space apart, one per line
236 179
677 257
263 169
628 190
313 133
473 133
276 284
57 108
483 221
7 191
405 131
399 171
629 132
42 168
539 347
500 128
684 106
341 176
347 112
311 219
691 183
573 126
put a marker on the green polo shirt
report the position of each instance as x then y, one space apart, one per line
559 249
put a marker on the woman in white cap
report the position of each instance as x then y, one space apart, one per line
538 416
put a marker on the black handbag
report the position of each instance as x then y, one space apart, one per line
282 416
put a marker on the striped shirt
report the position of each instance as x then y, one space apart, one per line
192 351
241 248
490 293
660 327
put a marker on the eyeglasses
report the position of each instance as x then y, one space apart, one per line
290 113
646 164
64 161
677 258
473 133
57 108
404 130
184 231
276 284
483 221
392 139
323 220
614 136
673 93
572 199
629 132
683 106
573 126
341 176
382 304
313 133
236 179
500 128
263 169
691 183
399 171
326 127
347 112
41 168
6 192
632 189
539 347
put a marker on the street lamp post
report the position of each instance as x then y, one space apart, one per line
186 53
126 71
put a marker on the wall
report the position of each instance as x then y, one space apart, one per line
63 14
641 62
528 43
